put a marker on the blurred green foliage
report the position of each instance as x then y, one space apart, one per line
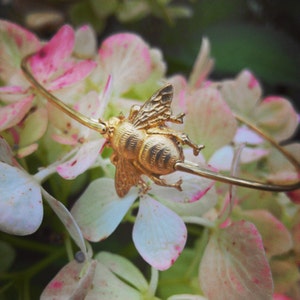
262 35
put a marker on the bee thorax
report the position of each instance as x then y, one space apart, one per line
127 140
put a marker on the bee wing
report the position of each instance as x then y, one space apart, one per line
156 110
126 176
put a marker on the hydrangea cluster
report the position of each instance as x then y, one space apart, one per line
246 240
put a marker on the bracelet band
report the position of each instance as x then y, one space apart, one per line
179 166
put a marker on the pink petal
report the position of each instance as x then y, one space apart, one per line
234 265
242 93
276 238
15 43
74 74
202 65
13 89
65 139
83 159
89 105
277 116
209 120
294 196
196 198
159 234
126 57
49 59
281 297
19 34
12 114
73 281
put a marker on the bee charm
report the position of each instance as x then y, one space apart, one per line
143 144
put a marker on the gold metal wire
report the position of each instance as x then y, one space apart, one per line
185 166
97 125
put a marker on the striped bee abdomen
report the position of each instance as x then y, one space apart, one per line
159 154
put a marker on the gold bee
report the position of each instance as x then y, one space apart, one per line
143 144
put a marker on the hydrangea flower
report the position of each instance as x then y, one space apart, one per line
21 207
159 233
237 226
54 68
108 276
123 62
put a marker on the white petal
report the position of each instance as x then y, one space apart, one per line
246 135
252 154
21 209
67 219
108 286
99 210
124 269
126 57
83 159
85 42
159 234
198 194
222 158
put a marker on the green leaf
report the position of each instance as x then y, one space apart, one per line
7 256
181 278
83 13
270 54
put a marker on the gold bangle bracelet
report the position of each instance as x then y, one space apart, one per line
185 166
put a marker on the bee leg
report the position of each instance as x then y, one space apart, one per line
114 158
157 180
185 140
144 186
180 137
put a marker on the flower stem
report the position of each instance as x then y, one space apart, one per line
198 221
153 282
